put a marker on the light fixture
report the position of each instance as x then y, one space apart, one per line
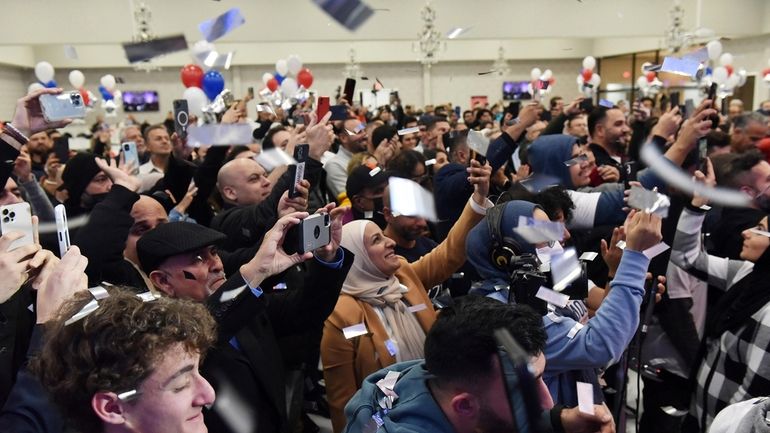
430 39
352 68
677 38
142 32
500 66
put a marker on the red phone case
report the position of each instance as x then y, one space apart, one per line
323 106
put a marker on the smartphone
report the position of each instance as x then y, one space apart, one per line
674 100
17 218
350 89
250 92
310 234
300 154
629 173
587 105
228 98
703 152
712 95
339 112
181 118
130 155
61 148
62 230
67 105
323 106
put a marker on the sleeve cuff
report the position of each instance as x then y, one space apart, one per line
339 259
256 291
481 210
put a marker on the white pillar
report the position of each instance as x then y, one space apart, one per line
427 97
237 86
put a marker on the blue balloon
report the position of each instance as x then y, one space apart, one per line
278 77
708 71
213 84
51 84
106 95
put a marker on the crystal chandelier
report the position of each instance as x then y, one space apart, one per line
676 36
143 33
430 38
500 66
352 68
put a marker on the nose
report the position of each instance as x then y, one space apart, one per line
216 264
567 234
390 243
205 394
746 234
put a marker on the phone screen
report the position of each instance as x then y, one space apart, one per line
300 154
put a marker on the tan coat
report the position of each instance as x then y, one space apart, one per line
347 362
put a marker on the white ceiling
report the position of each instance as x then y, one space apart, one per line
35 30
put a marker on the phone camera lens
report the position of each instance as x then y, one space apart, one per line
5 211
317 232
182 118
5 219
12 215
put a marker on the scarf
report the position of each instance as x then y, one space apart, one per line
368 284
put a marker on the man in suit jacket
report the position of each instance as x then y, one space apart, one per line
245 364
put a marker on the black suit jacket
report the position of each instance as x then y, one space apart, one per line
253 373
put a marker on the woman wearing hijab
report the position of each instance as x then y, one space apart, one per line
385 298
736 353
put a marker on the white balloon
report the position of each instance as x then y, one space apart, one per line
289 87
641 82
108 81
547 74
714 49
733 81
294 63
77 79
196 100
595 80
535 73
719 75
34 86
589 63
44 72
267 76
645 65
742 74
281 67
726 59
580 80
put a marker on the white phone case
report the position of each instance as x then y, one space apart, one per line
17 218
67 105
62 230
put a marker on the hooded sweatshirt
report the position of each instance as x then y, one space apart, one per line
573 351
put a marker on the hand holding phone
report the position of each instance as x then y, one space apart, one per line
301 152
310 234
323 106
17 218
62 230
130 156
349 92
67 105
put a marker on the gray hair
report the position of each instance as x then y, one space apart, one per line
744 120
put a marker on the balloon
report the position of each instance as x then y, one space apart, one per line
547 74
719 75
85 95
267 76
587 74
273 84
733 81
650 76
34 86
289 87
552 81
580 80
51 84
641 82
192 75
596 80
714 49
77 79
44 72
278 77
196 100
726 59
766 71
305 78
645 65
535 73
213 84
200 50
730 70
281 67
108 81
589 63
106 95
294 64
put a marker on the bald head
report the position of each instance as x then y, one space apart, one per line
147 214
243 182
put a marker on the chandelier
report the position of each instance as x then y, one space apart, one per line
500 66
352 68
676 37
143 33
430 38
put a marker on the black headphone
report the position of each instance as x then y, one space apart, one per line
503 248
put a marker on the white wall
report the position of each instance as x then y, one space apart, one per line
752 54
12 87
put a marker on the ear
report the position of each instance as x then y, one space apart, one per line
747 190
466 407
160 281
356 201
108 408
230 194
386 212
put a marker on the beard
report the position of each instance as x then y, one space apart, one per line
490 422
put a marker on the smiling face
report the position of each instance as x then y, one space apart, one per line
580 173
754 244
381 250
172 397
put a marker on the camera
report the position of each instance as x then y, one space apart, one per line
310 234
76 99
528 276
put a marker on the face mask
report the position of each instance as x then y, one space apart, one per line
88 201
762 201
544 254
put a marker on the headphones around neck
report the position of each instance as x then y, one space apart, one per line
503 248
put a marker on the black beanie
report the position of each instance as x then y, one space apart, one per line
78 173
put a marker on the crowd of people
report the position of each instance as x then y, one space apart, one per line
180 305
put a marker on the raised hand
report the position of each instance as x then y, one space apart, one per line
14 264
287 206
28 117
668 123
120 175
329 252
478 176
612 253
66 278
642 230
708 179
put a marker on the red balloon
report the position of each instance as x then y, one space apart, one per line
551 81
192 76
272 84
650 76
730 70
305 78
84 96
587 74
765 71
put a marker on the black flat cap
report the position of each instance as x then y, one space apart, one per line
365 177
171 239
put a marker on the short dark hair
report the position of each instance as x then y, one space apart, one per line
114 348
403 164
461 344
267 141
595 117
717 139
554 99
571 117
431 123
647 98
151 128
553 200
409 119
741 164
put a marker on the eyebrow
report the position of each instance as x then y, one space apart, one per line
182 371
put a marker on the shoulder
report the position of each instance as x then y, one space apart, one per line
347 312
